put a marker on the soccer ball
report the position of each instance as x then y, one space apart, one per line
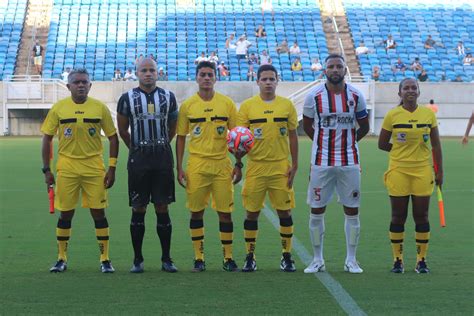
240 139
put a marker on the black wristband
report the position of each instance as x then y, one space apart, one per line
239 165
45 169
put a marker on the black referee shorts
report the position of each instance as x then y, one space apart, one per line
150 178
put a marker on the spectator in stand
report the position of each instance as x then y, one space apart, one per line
416 66
260 32
295 49
376 73
457 79
241 47
152 57
129 75
468 61
431 43
399 66
38 52
423 76
253 59
251 74
460 49
223 71
362 49
265 59
65 74
139 59
283 48
229 42
200 58
214 59
316 65
117 75
162 76
296 65
390 43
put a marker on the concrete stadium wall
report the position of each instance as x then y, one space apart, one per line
455 101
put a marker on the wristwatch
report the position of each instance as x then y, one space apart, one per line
45 169
239 165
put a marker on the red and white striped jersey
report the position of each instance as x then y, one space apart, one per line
335 115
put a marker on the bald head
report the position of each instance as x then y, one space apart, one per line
147 74
146 61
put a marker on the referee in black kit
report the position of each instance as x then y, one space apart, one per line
151 113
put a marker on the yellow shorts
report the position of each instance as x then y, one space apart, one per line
38 60
206 177
80 175
405 181
270 177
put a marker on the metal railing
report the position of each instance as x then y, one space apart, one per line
30 92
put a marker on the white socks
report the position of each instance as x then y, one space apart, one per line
352 230
316 231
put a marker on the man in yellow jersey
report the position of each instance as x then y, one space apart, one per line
78 120
207 116
273 122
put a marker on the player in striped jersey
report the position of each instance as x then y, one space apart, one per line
330 114
151 113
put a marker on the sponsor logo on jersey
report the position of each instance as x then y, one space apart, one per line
197 131
258 133
268 112
282 131
92 131
402 137
78 112
220 130
68 132
351 103
208 110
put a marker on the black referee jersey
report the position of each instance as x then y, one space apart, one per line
149 115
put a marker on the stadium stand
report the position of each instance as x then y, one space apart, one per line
11 19
103 36
410 23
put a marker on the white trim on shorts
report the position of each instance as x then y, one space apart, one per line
325 179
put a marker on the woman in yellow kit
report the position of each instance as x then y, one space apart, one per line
405 133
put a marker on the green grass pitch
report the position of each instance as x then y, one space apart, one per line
28 248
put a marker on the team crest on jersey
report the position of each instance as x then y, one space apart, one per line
351 103
197 131
355 194
258 133
68 132
220 130
92 131
426 137
402 137
282 131
136 95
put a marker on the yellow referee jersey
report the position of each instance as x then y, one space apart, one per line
410 135
79 127
207 122
269 123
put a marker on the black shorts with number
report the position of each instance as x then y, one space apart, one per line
150 176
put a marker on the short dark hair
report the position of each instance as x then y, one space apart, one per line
266 67
77 71
333 56
206 64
